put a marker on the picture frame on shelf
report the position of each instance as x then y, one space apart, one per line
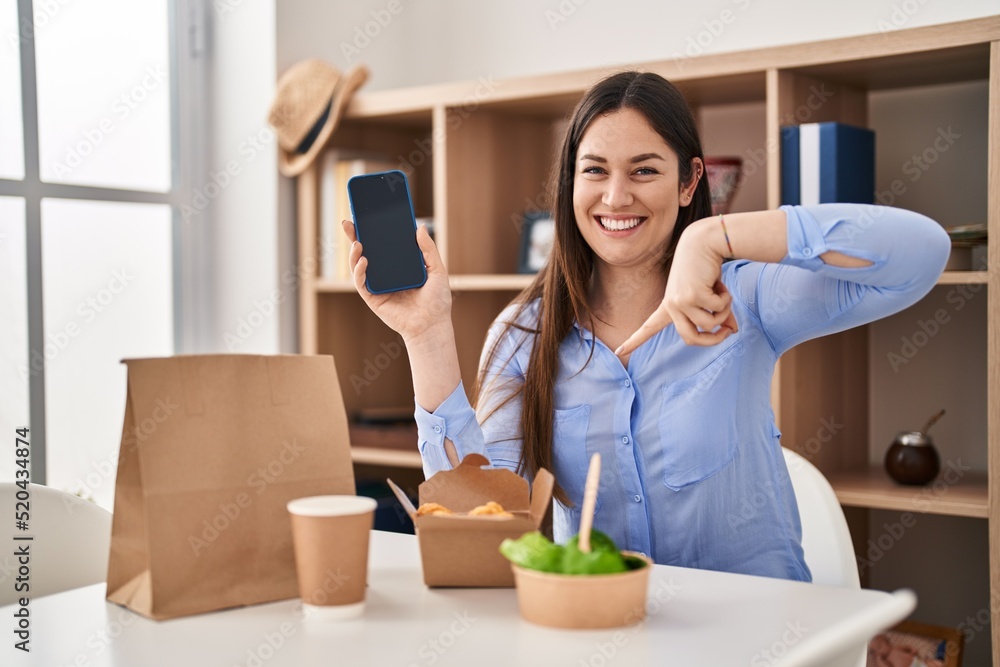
538 233
913 643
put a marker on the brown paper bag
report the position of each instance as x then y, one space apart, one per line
213 447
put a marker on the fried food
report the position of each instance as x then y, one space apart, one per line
491 509
433 508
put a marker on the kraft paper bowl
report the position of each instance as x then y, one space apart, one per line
583 601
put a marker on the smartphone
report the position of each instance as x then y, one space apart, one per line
387 230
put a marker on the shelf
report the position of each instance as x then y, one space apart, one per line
386 457
873 489
515 282
463 283
964 278
387 445
920 68
470 283
334 286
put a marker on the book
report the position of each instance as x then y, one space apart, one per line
827 162
336 168
329 236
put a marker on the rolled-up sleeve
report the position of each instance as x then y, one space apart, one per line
803 297
455 420
493 432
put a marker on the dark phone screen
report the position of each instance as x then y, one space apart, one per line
383 219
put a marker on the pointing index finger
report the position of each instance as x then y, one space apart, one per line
659 320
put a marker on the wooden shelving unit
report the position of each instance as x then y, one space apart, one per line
479 156
964 278
871 488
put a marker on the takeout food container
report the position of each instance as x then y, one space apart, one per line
463 551
583 601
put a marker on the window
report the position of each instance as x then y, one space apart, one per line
90 232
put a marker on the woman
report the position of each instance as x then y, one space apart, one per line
639 341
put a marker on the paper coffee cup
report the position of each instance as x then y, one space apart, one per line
330 537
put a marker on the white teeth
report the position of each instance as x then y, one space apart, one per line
619 225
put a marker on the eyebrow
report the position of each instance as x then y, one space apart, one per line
638 158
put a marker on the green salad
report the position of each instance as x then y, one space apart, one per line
534 551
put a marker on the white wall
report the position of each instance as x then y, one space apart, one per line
430 41
244 231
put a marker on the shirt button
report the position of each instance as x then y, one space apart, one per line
437 429
625 439
807 252
628 383
637 498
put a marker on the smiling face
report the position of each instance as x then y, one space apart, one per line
626 189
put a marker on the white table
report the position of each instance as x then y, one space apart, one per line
695 618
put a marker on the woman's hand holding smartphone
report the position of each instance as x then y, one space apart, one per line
412 313
395 257
389 259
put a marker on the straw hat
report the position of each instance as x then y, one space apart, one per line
309 100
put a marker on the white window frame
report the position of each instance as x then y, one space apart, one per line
191 249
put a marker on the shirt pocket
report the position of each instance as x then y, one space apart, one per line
570 453
698 421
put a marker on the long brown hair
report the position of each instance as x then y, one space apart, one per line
562 284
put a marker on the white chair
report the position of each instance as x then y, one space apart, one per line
826 539
70 545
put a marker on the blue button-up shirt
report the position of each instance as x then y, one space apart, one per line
692 472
